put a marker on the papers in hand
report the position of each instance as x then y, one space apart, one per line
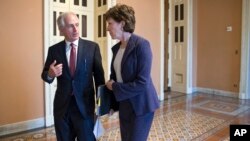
103 106
98 128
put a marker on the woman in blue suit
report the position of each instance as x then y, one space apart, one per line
130 78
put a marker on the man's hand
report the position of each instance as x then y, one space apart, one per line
55 70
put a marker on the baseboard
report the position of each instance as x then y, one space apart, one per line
216 92
49 120
21 126
168 89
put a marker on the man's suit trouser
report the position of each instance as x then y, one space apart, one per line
72 125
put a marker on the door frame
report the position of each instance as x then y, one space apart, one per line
244 92
188 87
48 6
190 38
166 41
48 110
161 95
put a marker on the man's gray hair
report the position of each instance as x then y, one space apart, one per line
61 19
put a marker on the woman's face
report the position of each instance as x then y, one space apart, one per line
115 28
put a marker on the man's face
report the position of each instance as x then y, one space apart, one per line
71 28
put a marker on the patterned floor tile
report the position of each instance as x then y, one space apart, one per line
176 125
222 107
180 118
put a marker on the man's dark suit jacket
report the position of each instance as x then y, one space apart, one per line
89 65
137 86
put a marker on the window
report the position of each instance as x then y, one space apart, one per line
99 3
76 2
176 8
182 12
54 23
176 34
104 26
182 34
84 26
99 26
84 3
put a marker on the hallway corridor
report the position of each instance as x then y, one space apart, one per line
181 117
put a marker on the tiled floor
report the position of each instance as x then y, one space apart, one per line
180 118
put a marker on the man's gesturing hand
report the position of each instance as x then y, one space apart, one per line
55 70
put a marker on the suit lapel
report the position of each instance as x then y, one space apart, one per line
129 48
80 54
62 52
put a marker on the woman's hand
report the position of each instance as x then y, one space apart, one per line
111 112
109 84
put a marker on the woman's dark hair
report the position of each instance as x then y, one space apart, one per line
122 12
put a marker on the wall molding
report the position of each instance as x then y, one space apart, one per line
216 92
21 126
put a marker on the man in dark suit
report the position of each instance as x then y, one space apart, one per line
74 62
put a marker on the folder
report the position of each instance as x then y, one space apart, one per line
106 101
103 97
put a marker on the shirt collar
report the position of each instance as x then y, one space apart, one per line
75 43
